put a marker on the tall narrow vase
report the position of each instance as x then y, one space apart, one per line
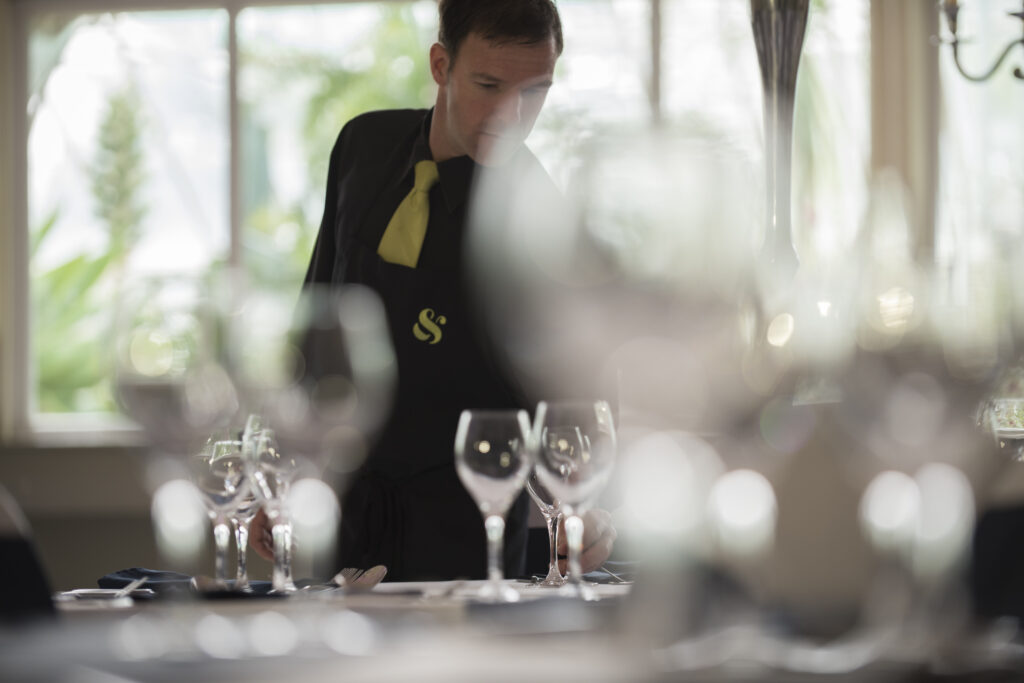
779 27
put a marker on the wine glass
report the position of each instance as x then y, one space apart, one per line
219 475
576 446
170 378
271 473
169 367
548 505
242 517
492 459
320 369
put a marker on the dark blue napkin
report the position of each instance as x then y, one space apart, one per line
165 582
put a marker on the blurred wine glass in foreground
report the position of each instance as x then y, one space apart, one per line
319 369
170 378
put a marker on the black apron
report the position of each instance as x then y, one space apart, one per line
406 508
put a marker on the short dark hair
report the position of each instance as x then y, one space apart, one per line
526 22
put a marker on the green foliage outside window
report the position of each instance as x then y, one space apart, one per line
71 301
70 314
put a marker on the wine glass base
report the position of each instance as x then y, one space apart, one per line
497 593
550 582
583 591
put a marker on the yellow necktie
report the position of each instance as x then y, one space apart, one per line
403 238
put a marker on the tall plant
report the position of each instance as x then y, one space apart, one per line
69 310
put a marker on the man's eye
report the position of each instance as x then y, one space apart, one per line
488 86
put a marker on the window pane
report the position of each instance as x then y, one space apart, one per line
712 83
601 81
127 156
981 176
305 71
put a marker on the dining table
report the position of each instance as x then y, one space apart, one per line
441 631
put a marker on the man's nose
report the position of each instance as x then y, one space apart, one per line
509 111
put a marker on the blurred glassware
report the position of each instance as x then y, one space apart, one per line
169 362
548 506
219 474
271 473
320 370
638 283
778 27
492 458
170 377
576 446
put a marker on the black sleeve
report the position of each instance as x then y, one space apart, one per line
321 264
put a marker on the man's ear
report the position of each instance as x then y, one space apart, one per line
440 63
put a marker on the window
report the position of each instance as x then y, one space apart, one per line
133 120
981 175
196 135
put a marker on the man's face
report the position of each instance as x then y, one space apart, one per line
488 97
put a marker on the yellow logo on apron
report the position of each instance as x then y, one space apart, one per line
428 328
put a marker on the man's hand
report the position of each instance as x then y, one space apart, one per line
260 537
598 539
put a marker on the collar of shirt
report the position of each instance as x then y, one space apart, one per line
455 175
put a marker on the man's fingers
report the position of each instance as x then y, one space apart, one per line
594 556
596 527
597 524
260 538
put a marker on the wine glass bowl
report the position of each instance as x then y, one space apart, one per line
320 369
492 459
170 375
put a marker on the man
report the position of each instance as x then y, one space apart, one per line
389 170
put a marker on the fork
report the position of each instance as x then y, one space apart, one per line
354 577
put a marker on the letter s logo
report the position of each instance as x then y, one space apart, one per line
427 329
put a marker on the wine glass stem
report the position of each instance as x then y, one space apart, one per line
222 543
495 526
574 537
241 542
552 522
282 578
